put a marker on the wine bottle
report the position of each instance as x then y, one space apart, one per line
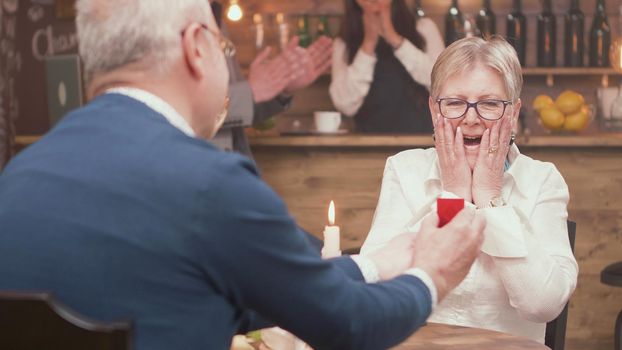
322 27
419 13
574 23
600 37
454 24
304 37
486 21
547 36
517 31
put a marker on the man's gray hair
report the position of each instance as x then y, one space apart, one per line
114 33
464 54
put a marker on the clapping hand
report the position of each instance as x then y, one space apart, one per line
269 77
455 171
489 167
308 64
387 30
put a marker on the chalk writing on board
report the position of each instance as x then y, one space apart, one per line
46 43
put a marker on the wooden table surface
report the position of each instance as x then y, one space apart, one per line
439 336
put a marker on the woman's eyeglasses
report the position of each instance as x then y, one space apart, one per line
455 108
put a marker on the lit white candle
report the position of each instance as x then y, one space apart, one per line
331 235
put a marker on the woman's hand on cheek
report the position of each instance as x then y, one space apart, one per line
490 165
455 171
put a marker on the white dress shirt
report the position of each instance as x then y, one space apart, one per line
157 104
351 82
526 271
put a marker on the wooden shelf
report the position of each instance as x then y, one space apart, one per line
535 71
550 73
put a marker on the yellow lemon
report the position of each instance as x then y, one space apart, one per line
541 102
569 102
552 118
578 120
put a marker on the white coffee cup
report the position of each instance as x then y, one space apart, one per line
326 121
605 100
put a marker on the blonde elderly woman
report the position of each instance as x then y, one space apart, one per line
525 272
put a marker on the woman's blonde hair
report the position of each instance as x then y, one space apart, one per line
464 54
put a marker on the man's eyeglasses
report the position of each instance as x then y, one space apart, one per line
455 108
226 45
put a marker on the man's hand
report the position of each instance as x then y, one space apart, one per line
308 64
394 258
447 254
268 77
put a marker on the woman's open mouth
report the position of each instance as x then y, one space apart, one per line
472 141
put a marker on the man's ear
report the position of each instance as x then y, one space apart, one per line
194 50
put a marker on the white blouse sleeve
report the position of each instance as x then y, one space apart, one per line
392 212
417 62
350 83
532 253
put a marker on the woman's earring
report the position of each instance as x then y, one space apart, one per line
512 138
434 137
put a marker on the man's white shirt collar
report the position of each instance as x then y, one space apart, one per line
157 104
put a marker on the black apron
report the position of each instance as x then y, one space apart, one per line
395 103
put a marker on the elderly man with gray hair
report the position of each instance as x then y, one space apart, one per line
126 211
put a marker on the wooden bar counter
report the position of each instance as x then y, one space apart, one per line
309 171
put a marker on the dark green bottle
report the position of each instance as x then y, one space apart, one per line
454 24
547 36
304 36
517 31
323 28
419 13
574 23
486 21
600 37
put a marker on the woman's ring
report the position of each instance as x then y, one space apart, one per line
492 150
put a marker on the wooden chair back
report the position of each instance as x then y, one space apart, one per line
35 321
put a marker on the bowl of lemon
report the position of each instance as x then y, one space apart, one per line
568 113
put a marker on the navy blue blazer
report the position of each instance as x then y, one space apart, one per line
122 216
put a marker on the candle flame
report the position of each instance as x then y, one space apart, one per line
331 214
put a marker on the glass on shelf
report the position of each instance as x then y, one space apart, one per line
616 112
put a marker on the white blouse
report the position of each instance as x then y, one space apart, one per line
351 82
526 271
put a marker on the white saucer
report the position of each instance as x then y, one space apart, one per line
336 132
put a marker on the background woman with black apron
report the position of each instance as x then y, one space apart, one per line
381 67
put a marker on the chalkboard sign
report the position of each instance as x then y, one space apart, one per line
31 31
